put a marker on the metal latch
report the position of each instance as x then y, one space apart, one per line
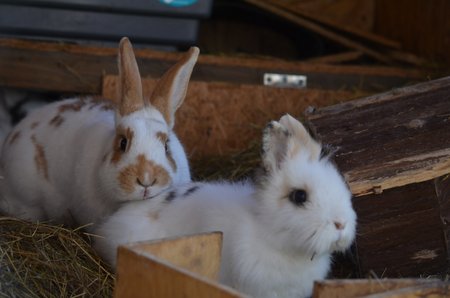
284 80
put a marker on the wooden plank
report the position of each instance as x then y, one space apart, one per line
390 139
400 233
362 287
330 34
355 14
222 118
199 254
141 274
429 290
421 26
74 68
321 17
337 58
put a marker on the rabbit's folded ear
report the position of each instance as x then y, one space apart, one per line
131 98
301 139
170 91
274 146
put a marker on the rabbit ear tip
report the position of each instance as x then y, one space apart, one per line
124 40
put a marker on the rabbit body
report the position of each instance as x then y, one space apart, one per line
252 261
75 161
279 231
70 168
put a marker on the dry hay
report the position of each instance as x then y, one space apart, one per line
42 260
233 167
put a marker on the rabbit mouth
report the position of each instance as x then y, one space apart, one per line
148 194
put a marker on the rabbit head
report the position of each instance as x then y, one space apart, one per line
146 155
304 199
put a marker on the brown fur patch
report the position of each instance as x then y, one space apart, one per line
171 160
72 107
14 137
153 215
56 121
129 175
34 125
39 157
101 103
121 132
164 138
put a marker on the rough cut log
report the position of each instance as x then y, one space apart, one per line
390 139
394 150
75 68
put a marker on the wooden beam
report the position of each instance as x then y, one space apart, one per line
305 23
80 69
336 58
356 32
390 139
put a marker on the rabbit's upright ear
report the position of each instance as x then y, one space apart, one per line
301 140
274 146
170 91
130 84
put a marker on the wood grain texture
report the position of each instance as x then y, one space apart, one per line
349 16
75 68
367 287
321 30
199 254
400 233
422 27
442 185
140 274
348 13
390 139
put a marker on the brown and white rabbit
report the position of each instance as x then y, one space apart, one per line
74 161
279 232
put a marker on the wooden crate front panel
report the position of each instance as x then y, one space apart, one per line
400 232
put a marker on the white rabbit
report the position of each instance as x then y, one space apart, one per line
279 232
74 161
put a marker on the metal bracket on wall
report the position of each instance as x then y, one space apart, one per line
284 80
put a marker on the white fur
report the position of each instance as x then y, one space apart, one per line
82 183
271 247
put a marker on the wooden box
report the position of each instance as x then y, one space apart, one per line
188 267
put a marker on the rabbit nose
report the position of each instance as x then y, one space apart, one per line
146 182
339 225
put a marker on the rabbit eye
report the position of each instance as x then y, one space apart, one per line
298 197
123 144
166 146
